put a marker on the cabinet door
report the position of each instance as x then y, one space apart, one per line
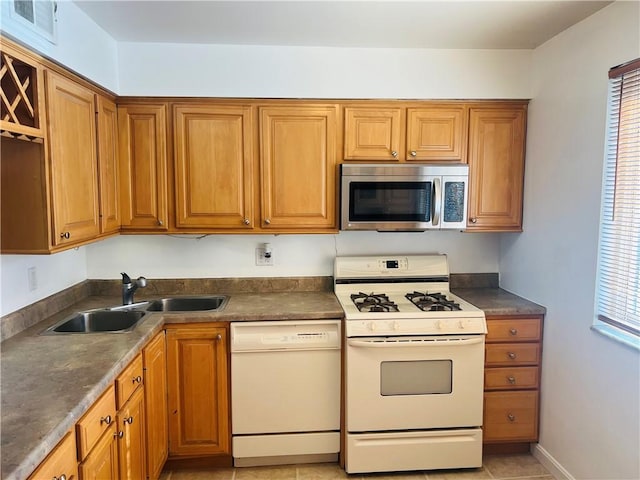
74 167
60 462
108 166
198 391
102 462
213 166
437 133
154 358
372 133
298 163
131 438
496 168
142 131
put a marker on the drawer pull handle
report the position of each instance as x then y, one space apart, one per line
511 379
513 331
511 417
128 420
61 477
512 355
137 379
120 434
106 420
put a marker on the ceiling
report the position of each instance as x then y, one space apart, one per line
513 24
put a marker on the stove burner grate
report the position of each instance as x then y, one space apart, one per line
373 302
432 302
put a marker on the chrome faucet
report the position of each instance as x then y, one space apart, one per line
129 287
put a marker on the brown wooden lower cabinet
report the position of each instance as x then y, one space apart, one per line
102 462
61 462
511 416
154 357
131 438
512 379
197 376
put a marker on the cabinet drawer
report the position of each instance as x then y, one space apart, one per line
129 380
512 354
514 330
510 416
62 461
510 378
93 424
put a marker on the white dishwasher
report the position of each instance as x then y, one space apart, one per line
285 392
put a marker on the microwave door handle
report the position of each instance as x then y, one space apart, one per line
436 201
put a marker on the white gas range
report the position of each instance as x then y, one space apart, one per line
414 365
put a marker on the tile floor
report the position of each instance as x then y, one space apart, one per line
498 467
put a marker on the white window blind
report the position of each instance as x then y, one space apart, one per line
618 296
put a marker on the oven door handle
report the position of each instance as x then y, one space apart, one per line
423 343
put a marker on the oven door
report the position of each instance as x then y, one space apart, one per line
405 383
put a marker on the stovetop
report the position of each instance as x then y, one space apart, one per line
402 295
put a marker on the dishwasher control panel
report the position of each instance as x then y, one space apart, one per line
285 335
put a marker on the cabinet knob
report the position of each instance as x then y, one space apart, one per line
512 355
511 379
413 153
513 331
219 337
246 221
394 154
473 220
61 477
160 223
106 420
267 221
120 434
511 417
66 235
128 420
137 379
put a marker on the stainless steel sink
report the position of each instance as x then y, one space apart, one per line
98 321
188 304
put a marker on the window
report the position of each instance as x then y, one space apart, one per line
618 294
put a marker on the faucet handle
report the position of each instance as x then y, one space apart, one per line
142 282
125 278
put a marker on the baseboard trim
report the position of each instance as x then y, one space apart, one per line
550 463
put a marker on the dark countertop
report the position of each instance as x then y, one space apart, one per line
48 382
496 301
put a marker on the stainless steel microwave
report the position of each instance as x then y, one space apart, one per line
403 197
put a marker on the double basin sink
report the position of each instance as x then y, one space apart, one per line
124 318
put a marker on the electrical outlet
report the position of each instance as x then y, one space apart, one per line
33 278
261 259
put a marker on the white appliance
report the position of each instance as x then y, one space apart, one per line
285 392
403 197
414 365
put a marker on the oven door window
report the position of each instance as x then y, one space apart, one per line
390 201
422 377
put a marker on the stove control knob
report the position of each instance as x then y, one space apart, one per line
461 325
439 325
372 326
395 326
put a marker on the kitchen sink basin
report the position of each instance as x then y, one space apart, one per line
98 321
188 304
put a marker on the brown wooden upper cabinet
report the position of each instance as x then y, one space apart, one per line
108 166
298 151
435 133
74 166
142 135
496 167
213 166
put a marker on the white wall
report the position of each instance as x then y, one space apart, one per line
590 411
294 255
81 45
84 47
320 72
